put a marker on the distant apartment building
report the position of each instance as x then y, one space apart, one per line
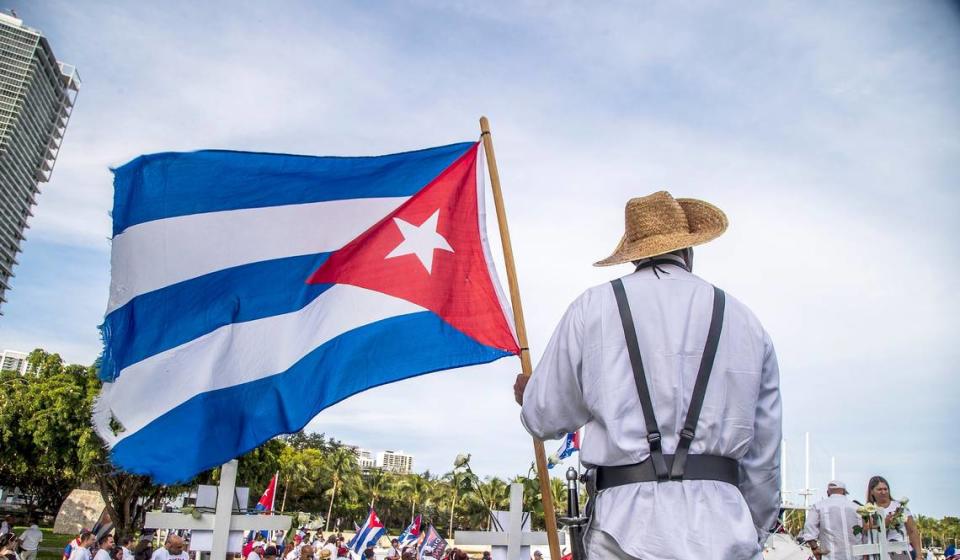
365 458
11 360
37 95
395 461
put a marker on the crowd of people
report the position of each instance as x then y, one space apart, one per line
834 525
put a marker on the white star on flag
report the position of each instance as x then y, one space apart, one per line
420 240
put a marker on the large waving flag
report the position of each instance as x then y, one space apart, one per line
251 291
368 534
411 533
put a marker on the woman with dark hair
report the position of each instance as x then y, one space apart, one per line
897 518
9 545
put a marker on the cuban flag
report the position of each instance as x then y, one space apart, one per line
266 503
267 500
411 533
571 444
368 534
251 291
432 546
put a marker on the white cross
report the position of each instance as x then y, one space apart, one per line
882 548
514 543
223 522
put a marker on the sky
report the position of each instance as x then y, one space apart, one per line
828 132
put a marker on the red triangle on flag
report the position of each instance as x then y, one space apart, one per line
429 251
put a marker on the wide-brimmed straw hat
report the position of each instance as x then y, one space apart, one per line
658 224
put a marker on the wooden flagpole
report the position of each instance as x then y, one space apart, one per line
549 514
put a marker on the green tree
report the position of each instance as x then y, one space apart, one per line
416 487
342 464
298 471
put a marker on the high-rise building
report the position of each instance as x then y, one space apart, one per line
365 458
395 461
37 95
11 360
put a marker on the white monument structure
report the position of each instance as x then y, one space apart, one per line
222 531
514 542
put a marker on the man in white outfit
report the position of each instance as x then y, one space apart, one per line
695 473
82 549
830 522
106 545
30 541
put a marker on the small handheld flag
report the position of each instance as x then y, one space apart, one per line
267 500
368 534
411 533
571 444
432 546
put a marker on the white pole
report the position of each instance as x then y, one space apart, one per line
806 468
221 520
833 468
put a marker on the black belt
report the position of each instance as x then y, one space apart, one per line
698 467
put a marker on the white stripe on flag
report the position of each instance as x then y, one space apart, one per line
238 353
152 255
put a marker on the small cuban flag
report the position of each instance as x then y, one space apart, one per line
571 444
411 533
368 534
250 291
267 500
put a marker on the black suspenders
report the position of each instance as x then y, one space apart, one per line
677 471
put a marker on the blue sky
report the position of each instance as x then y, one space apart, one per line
829 133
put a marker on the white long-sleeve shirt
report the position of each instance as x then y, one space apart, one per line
830 522
585 379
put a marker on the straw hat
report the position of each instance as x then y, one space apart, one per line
658 224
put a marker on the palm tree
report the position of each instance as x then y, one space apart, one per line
417 487
457 481
378 480
298 469
342 463
497 492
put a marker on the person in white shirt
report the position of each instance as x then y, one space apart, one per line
30 540
125 544
331 545
105 546
6 526
172 549
394 551
81 551
898 519
829 525
649 338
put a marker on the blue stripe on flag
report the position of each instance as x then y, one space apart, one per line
163 319
376 354
170 184
360 539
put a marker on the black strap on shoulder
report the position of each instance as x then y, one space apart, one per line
646 405
700 387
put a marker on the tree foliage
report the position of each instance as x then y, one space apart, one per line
50 448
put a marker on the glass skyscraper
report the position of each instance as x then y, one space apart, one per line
37 95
